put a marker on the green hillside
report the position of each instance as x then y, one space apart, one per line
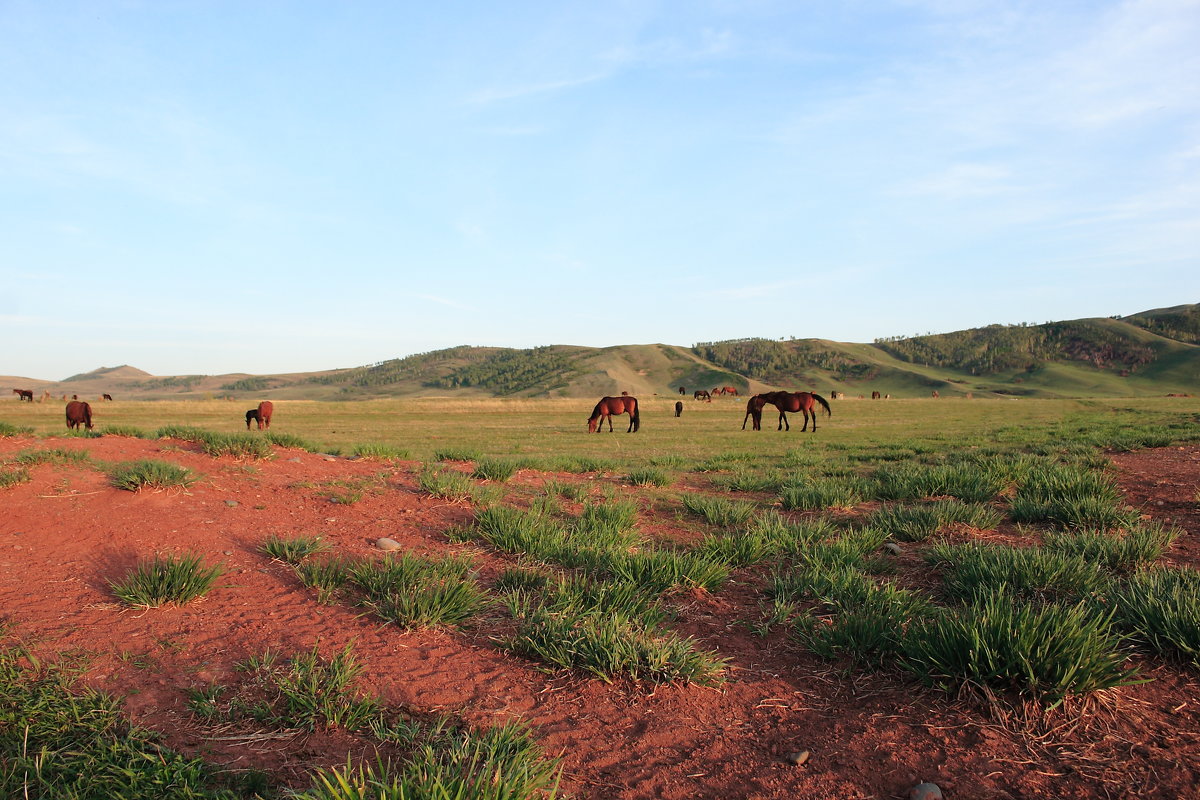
1151 353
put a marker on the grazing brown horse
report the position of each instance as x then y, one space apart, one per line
874 395
754 407
23 394
252 414
679 408
804 402
78 413
264 414
730 390
614 405
701 394
682 390
935 394
106 397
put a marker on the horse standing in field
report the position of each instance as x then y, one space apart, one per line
682 390
614 405
874 395
730 390
935 394
754 407
679 408
23 394
252 414
107 397
804 402
264 414
701 394
78 413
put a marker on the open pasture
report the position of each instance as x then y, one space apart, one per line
556 429
942 590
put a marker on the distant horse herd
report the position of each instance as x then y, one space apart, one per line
79 412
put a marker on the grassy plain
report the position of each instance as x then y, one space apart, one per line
553 429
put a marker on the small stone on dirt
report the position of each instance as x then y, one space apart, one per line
231 503
798 758
925 791
387 544
893 548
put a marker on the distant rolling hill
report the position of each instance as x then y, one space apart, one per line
1150 353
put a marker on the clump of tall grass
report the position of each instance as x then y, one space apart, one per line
150 474
307 692
565 489
62 741
54 455
866 622
719 511
646 476
495 469
608 524
293 550
123 430
659 570
326 577
379 452
818 494
1160 610
916 523
416 592
749 479
973 570
238 445
457 454
502 763
8 429
1045 652
11 476
291 441
972 482
447 484
166 580
1070 495
1115 551
610 633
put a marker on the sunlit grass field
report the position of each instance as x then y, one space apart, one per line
554 429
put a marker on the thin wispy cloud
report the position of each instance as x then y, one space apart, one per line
504 94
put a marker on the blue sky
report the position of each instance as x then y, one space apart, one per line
216 187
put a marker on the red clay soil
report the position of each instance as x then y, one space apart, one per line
67 532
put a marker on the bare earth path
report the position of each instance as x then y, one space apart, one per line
66 533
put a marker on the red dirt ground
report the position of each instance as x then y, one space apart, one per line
66 533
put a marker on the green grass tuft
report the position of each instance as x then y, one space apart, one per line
150 474
166 580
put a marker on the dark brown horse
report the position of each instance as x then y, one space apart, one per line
614 405
701 394
804 402
754 407
23 394
679 408
106 397
252 414
682 390
78 413
264 414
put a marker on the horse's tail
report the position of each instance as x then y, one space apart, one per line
821 400
637 417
